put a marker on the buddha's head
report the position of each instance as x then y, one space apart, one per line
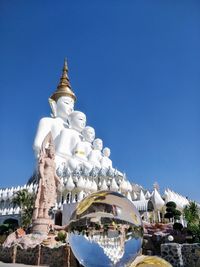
77 120
64 106
98 144
106 152
88 134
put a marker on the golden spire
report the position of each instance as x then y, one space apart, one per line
64 87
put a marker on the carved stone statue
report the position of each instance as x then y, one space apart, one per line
96 155
62 104
106 163
47 187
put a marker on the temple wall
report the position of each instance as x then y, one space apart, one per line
39 255
67 212
181 255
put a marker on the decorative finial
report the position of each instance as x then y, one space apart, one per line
65 65
64 87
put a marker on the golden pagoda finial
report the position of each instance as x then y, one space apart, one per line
64 87
65 67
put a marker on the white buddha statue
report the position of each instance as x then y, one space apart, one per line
106 163
82 150
88 137
95 155
70 137
62 104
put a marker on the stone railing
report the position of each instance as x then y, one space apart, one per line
181 255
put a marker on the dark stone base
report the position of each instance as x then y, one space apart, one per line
181 255
40 255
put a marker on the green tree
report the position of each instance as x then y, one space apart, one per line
12 223
171 204
25 201
172 212
191 213
177 214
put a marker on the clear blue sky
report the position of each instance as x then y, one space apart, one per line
135 68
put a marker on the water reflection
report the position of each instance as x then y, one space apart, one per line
105 230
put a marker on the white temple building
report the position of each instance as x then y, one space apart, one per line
150 205
83 164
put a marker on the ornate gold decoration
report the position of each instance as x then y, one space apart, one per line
80 152
64 87
150 261
93 198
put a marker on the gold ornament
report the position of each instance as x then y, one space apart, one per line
150 261
64 87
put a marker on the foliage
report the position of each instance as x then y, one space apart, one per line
172 212
191 213
177 212
62 236
171 204
170 209
168 215
4 229
25 201
192 216
177 226
177 215
3 238
13 223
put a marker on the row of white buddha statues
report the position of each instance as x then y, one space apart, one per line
77 146
75 143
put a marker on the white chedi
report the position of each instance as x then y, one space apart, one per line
94 187
157 200
129 196
180 201
134 196
70 184
114 186
147 195
142 196
81 183
124 186
104 185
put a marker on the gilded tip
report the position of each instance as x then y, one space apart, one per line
65 67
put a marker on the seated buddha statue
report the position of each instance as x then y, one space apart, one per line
95 155
62 104
82 150
70 137
106 163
